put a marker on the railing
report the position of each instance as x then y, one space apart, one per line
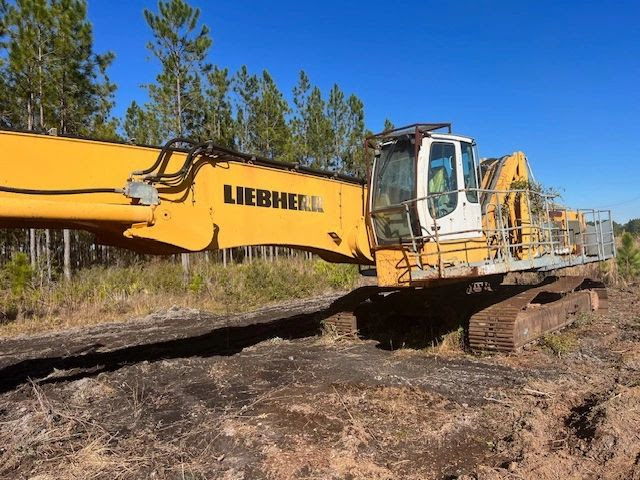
542 237
601 231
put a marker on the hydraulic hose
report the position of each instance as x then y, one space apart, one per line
179 175
183 169
165 149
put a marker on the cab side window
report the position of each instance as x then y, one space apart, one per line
469 172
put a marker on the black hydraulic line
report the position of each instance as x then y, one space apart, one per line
75 191
211 148
185 165
179 175
165 149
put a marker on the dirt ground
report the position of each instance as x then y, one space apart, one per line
186 395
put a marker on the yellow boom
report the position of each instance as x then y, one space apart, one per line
225 201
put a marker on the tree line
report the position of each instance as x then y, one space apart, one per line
51 77
632 227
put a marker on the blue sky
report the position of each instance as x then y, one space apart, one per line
559 80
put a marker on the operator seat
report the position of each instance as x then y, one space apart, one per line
439 182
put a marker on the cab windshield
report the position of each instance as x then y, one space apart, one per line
394 182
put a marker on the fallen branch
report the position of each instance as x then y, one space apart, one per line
537 392
497 400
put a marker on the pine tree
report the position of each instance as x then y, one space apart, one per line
269 131
318 131
337 113
140 126
181 46
102 125
83 94
218 125
3 19
633 226
628 258
5 100
298 123
30 30
388 125
245 86
354 160
54 76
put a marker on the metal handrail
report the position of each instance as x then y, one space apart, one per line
546 236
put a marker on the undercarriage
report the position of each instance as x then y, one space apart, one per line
495 316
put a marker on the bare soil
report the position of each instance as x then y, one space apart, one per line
186 395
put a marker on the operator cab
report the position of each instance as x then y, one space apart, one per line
424 186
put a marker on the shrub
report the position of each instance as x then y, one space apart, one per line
336 274
196 284
559 343
628 257
16 280
17 274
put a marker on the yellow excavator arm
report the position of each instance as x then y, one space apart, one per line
221 199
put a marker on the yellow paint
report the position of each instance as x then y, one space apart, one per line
34 209
516 213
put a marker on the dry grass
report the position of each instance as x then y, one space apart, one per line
287 411
572 433
330 334
68 439
448 344
101 295
354 429
583 319
50 432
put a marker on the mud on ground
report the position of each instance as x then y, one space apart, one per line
186 395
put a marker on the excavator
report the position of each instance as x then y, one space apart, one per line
430 215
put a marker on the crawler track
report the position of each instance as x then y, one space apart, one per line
343 324
508 325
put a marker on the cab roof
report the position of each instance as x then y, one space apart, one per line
409 129
426 129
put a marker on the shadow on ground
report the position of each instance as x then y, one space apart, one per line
423 322
219 341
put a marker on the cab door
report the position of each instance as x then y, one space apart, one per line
448 182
